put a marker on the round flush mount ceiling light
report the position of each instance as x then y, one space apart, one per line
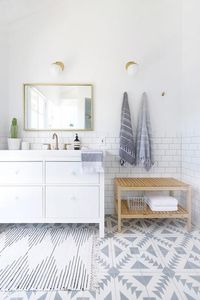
57 68
131 68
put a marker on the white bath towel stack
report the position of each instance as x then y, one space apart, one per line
162 203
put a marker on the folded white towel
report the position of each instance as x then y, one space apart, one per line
162 201
163 208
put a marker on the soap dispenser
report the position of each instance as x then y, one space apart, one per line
77 144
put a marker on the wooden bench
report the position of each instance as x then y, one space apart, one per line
151 184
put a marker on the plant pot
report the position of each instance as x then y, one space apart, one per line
14 144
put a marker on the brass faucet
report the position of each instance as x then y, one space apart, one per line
55 136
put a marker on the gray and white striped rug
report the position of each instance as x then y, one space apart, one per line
46 257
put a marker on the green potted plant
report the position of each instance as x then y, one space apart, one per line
13 140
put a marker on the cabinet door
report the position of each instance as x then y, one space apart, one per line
72 202
20 172
20 203
68 172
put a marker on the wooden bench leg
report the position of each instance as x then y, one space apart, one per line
189 208
119 210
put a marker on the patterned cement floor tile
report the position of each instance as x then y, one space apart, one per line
168 226
132 253
188 285
128 226
107 224
104 255
153 226
196 234
129 286
160 286
179 252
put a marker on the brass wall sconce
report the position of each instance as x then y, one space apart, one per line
131 68
57 67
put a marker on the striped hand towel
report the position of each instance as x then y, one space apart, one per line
144 153
92 161
127 147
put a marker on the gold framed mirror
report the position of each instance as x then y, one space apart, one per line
56 106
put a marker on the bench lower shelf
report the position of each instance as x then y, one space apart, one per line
126 213
149 184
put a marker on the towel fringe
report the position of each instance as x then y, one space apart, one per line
94 268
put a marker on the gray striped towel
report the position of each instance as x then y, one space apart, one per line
92 156
144 153
127 147
92 161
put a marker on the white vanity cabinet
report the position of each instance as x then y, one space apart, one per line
78 203
20 204
16 172
58 172
49 187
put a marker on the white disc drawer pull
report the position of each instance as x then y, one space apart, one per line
73 198
17 172
73 173
16 198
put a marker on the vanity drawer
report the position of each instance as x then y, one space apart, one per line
69 172
20 203
20 172
70 202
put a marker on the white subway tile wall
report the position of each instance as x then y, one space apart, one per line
167 153
191 171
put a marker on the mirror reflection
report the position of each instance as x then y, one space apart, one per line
58 107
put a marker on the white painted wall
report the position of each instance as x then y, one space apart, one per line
191 67
191 101
4 93
95 39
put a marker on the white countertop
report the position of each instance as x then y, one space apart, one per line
39 155
71 155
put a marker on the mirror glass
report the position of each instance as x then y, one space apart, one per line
58 107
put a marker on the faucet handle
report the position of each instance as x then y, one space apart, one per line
46 146
54 147
67 146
